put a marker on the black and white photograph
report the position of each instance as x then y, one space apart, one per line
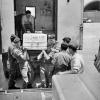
49 49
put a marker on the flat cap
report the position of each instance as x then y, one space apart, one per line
67 39
16 40
73 45
12 37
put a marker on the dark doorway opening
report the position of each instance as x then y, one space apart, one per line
47 22
95 5
0 37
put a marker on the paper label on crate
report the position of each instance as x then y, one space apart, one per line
34 41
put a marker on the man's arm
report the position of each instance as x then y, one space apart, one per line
19 54
23 18
9 53
75 71
32 21
40 56
54 60
24 56
46 55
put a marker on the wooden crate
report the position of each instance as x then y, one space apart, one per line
33 41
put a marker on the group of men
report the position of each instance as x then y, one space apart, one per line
66 60
69 62
63 60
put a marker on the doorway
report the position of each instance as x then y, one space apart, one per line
45 17
92 12
45 14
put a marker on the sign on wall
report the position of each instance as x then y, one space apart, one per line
33 41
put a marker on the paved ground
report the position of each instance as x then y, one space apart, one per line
91 77
91 36
3 81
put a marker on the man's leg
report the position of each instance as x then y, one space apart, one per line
24 72
43 76
4 62
11 82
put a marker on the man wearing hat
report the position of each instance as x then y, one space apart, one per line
77 62
14 68
22 58
66 40
61 60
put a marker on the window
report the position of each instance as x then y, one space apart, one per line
32 9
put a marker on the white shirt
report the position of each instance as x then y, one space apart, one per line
26 20
77 63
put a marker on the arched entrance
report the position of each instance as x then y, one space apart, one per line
92 11
94 5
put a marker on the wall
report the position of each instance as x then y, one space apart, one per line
70 16
7 22
43 20
93 15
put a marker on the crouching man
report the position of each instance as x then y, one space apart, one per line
77 62
61 60
22 58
